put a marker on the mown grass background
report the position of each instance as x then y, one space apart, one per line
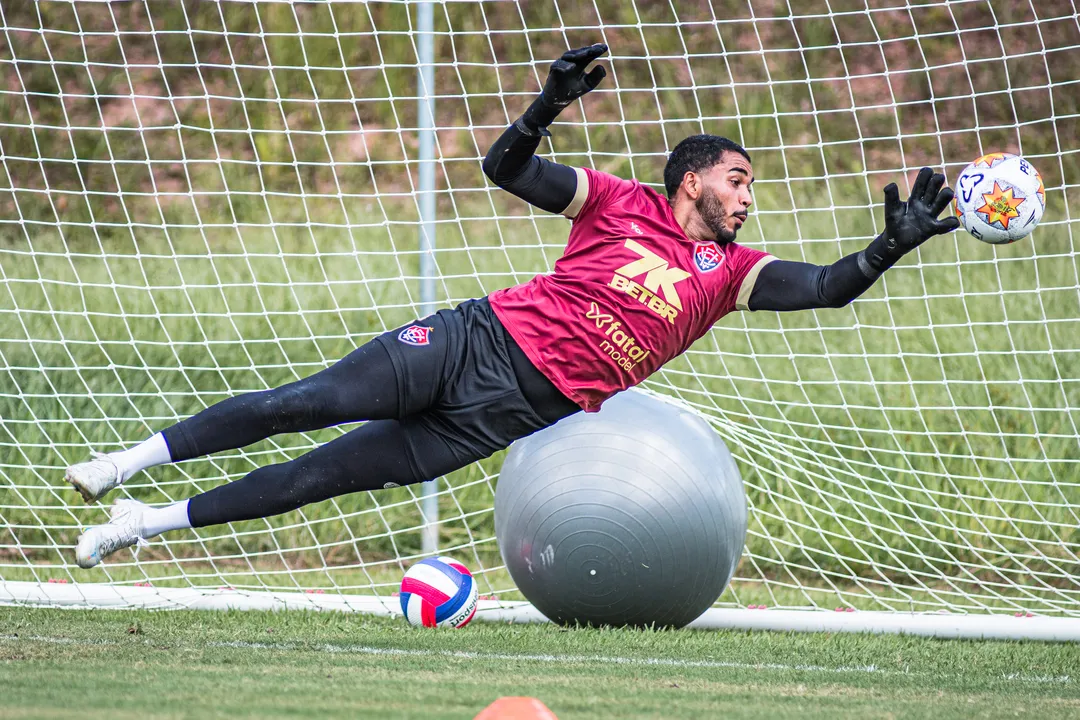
256 664
199 200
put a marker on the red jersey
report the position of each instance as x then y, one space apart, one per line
630 292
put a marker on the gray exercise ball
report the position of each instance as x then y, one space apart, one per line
632 516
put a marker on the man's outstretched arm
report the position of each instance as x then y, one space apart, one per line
783 285
511 162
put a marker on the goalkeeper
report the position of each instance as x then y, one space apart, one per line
643 276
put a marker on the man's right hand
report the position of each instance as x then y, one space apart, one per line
566 82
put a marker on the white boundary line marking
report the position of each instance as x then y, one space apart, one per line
546 658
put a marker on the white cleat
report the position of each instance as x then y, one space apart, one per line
124 529
95 478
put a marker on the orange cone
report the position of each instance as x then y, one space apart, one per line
516 708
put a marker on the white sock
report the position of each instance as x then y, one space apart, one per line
157 520
148 453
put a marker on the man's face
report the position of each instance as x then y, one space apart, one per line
725 196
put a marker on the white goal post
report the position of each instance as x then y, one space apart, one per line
204 199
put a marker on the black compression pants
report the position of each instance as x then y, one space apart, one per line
432 407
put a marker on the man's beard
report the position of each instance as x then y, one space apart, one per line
712 213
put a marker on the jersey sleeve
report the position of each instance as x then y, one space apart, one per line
746 266
595 189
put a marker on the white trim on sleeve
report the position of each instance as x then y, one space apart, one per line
580 196
742 300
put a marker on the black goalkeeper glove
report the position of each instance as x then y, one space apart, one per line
908 225
566 82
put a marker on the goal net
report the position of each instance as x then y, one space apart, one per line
204 199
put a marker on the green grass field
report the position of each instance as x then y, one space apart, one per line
63 664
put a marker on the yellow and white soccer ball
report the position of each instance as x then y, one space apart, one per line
1000 198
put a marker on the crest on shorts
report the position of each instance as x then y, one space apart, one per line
415 335
708 256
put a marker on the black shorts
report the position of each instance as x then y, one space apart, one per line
466 389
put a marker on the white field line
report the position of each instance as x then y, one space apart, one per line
554 659
566 659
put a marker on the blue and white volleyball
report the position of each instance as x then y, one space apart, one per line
1000 198
438 592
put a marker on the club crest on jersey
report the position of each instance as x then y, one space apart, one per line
415 335
707 256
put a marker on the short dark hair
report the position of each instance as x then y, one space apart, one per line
694 154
